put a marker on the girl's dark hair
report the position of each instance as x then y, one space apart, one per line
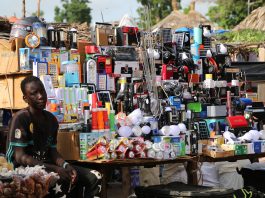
27 80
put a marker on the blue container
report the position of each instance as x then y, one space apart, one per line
198 35
257 146
195 51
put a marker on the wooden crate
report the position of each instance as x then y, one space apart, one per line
7 94
219 154
9 53
11 94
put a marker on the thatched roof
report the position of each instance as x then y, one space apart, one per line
83 29
256 20
177 19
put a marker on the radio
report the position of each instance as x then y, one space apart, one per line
104 64
127 36
103 34
167 72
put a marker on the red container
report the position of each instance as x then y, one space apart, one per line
91 49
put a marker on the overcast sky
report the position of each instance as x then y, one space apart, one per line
112 10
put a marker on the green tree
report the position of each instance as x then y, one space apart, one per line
73 11
36 13
158 9
229 13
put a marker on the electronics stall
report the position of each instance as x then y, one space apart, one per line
131 94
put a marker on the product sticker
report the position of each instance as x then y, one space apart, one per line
17 133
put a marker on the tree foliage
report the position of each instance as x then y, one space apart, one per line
229 13
242 36
158 10
73 11
36 13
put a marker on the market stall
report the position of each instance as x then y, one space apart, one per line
129 97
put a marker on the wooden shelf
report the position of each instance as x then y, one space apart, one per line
16 73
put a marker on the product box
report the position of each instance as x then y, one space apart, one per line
217 140
250 148
60 56
263 146
27 57
176 147
87 141
228 147
257 146
45 55
9 55
68 145
74 55
241 149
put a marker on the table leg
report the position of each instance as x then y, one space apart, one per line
192 172
126 182
104 182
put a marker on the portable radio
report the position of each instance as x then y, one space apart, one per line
103 34
104 64
127 35
167 72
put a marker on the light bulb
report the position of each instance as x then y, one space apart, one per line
206 32
209 54
184 56
223 49
156 54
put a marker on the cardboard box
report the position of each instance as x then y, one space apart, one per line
87 141
7 94
19 103
68 145
219 154
9 61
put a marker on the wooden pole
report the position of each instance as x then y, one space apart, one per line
192 5
38 13
174 5
24 8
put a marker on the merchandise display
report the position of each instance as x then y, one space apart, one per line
131 95
152 97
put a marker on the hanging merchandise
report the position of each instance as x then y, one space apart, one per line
60 39
32 40
22 27
52 37
39 28
72 34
